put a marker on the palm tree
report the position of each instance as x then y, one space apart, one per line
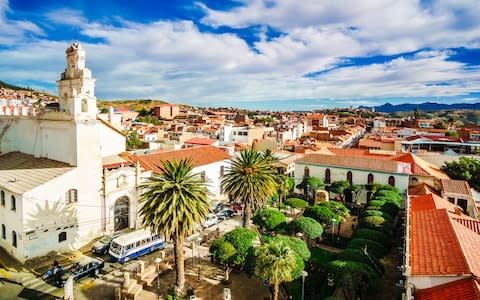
173 203
283 187
250 180
275 264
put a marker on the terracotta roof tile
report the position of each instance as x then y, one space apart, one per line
200 141
354 162
200 156
463 289
434 247
460 187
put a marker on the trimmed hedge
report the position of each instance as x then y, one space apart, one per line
322 214
296 203
338 208
373 248
379 203
308 226
269 218
373 235
376 222
389 194
352 254
378 213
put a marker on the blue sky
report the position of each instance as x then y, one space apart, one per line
267 54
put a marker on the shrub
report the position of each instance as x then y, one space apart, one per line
338 208
378 213
372 207
322 214
379 187
389 194
379 203
353 277
373 248
296 244
351 254
242 239
373 235
321 257
375 222
296 203
269 218
224 252
308 226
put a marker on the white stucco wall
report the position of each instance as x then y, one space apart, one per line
112 142
212 177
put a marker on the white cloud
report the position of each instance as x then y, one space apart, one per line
174 60
13 30
66 16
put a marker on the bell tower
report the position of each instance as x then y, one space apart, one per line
76 86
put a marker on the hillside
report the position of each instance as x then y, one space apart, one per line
13 87
427 106
135 105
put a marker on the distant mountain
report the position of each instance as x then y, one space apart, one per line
427 106
12 87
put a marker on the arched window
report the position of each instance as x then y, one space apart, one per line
327 176
370 179
14 239
306 172
13 203
71 196
62 236
84 105
350 177
222 171
391 181
2 197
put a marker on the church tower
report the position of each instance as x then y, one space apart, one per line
76 86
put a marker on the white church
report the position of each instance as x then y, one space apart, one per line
62 181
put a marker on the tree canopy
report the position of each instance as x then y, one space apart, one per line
465 168
322 214
307 226
269 218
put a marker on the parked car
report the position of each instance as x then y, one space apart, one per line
210 221
101 246
225 213
89 266
237 208
217 207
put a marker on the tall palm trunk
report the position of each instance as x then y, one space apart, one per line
247 215
180 265
276 287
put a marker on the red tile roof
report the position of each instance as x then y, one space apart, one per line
353 162
463 289
200 156
200 141
460 187
434 247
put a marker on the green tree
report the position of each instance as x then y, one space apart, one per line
242 239
310 184
339 187
173 203
296 244
269 219
224 253
283 187
275 264
133 142
322 214
375 248
465 168
296 203
250 180
338 208
308 226
354 278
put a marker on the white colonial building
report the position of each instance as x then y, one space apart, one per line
62 182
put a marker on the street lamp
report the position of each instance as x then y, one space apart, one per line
198 241
333 228
303 274
158 260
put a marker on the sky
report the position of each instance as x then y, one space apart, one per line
257 54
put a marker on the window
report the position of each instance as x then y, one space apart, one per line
2 197
463 203
84 105
370 179
14 203
4 232
71 196
62 236
121 180
350 177
306 172
327 176
451 200
14 239
391 181
222 171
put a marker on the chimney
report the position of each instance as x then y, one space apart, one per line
458 210
110 114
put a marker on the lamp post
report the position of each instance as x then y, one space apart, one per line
158 260
198 241
333 229
303 274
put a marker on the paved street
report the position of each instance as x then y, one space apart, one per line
24 284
